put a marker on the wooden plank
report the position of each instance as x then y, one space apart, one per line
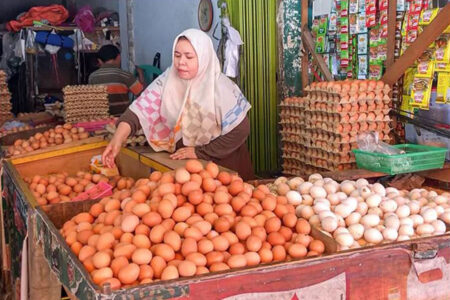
392 15
305 58
308 42
353 174
429 34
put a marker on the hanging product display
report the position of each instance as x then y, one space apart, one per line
319 131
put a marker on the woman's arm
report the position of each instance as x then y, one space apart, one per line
131 119
226 144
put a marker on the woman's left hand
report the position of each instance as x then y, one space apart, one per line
184 153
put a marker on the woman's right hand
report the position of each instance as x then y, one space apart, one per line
113 148
110 153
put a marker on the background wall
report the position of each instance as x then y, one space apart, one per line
157 23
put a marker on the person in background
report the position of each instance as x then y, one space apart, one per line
192 110
118 82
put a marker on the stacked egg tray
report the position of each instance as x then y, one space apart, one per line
5 99
320 130
85 102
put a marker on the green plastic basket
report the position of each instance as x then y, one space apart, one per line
416 158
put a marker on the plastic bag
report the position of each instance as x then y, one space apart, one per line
369 141
85 19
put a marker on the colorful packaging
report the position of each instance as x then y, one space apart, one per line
382 50
353 25
441 67
421 92
344 25
426 16
442 53
363 66
382 5
375 71
97 167
371 12
320 43
332 26
363 43
354 6
425 65
344 8
443 88
315 27
401 5
361 22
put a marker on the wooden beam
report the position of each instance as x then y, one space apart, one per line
415 50
392 19
308 43
305 58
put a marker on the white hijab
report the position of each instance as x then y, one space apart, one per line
197 110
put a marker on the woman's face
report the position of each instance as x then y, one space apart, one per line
185 60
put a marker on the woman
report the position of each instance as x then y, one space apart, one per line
192 110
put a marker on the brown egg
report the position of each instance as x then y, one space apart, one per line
99 276
269 204
141 256
84 235
141 241
152 219
76 247
224 177
101 259
205 246
164 251
297 251
290 220
105 241
266 255
252 258
216 267
83 217
203 226
169 272
317 246
158 264
139 196
187 268
237 261
88 264
249 210
190 186
209 185
118 263
197 258
141 209
189 245
157 234
303 239
243 230
168 224
237 248
235 187
85 252
194 166
172 239
303 226
272 224
129 274
165 208
260 232
220 243
96 209
124 250
253 243
114 283
204 208
201 270
145 272
212 169
279 253
112 204
181 214
275 238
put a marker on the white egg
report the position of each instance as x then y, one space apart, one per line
392 222
306 212
370 220
343 210
329 224
294 197
406 230
361 182
304 187
390 234
362 208
307 199
340 230
356 230
295 182
407 221
333 198
379 189
439 227
280 180
403 211
314 177
402 238
353 218
417 220
351 202
375 211
319 182
388 205
414 206
429 215
373 236
345 239
347 187
330 188
445 216
314 221
425 229
326 213
318 192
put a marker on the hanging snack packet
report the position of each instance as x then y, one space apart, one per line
421 92
323 25
442 53
332 26
425 66
382 50
353 29
361 22
375 71
344 25
353 6
401 5
443 88
344 8
426 16
320 43
371 12
363 42
315 27
363 66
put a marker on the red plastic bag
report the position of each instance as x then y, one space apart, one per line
54 14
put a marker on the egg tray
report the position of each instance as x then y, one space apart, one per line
335 158
346 129
377 98
320 167
85 98
293 147
354 108
87 88
332 137
87 106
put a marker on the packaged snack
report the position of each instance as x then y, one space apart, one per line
344 8
382 50
97 167
323 25
315 26
426 16
382 5
383 30
344 25
371 12
353 25
443 88
425 66
332 26
383 17
401 5
320 43
362 6
361 22
421 92
408 79
415 6
363 42
363 66
406 109
441 67
353 6
442 45
375 71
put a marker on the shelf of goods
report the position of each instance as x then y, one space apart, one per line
414 268
320 130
